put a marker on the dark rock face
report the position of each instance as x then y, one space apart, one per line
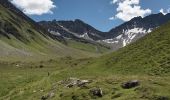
68 28
54 28
130 84
96 92
81 28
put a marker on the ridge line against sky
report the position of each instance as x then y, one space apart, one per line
101 14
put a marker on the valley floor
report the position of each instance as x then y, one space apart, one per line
43 81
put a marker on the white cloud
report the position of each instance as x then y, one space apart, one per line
114 1
112 18
164 12
35 7
128 9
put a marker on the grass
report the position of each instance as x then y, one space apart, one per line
95 48
30 82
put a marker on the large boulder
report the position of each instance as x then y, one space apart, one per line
130 84
96 92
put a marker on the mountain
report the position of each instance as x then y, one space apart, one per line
21 37
134 29
72 29
117 37
76 32
149 55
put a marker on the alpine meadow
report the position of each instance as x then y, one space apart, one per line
49 54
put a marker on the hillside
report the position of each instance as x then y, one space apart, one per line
22 37
149 55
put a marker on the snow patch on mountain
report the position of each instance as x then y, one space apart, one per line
85 36
110 41
54 32
128 36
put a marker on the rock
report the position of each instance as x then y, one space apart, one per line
49 95
96 92
44 98
41 66
160 98
34 91
74 97
17 65
130 84
41 90
71 82
82 83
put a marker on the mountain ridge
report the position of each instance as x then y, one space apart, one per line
117 37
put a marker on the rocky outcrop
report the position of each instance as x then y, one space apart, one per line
130 84
71 82
96 92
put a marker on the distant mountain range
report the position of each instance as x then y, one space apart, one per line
117 37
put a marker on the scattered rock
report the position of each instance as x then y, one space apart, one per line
44 98
49 95
41 66
71 82
96 92
21 92
17 65
34 91
74 97
61 94
160 98
130 84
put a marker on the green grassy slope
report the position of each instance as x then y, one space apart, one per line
90 47
29 81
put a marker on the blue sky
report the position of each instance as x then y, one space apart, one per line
94 12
